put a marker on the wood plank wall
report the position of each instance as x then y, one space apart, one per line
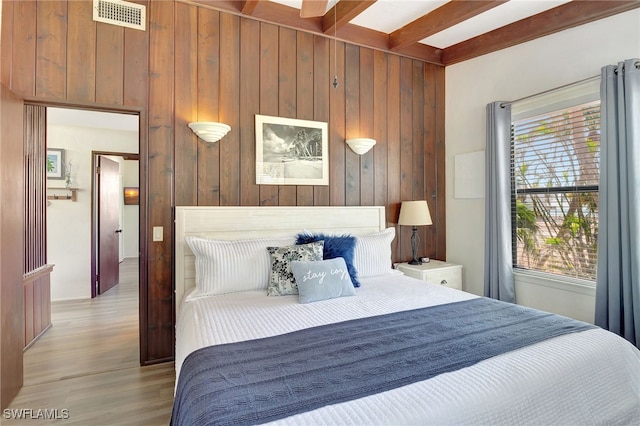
37 294
11 246
196 63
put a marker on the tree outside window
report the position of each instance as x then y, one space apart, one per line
555 173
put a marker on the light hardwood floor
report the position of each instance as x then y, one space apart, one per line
88 364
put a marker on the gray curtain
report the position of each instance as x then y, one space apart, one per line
618 274
498 260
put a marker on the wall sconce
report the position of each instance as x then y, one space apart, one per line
361 145
209 131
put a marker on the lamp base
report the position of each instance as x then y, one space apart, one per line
414 247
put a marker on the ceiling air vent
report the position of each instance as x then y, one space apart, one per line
119 12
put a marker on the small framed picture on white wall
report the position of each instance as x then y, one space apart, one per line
55 163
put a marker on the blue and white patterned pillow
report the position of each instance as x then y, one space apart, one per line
325 279
282 281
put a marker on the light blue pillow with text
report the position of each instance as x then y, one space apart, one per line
322 279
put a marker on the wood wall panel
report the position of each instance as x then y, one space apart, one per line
109 64
195 63
337 131
160 182
269 70
230 109
322 88
207 108
287 99
23 52
6 37
406 149
304 99
37 305
367 182
136 67
418 139
186 102
249 104
81 53
11 245
430 173
51 49
438 245
29 333
380 151
352 123
393 140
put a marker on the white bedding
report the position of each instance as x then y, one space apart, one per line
591 377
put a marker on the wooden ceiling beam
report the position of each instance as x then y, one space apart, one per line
370 38
313 8
568 15
279 14
247 7
342 13
447 15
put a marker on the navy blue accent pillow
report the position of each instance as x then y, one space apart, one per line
335 246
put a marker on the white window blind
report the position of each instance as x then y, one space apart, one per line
555 173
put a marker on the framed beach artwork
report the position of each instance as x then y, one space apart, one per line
55 163
291 151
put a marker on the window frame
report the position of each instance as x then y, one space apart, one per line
578 94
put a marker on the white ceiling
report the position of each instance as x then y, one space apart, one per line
387 16
93 119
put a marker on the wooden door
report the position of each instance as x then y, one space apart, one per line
108 224
11 245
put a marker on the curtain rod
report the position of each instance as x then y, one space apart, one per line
575 83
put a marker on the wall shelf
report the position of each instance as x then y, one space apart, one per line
73 194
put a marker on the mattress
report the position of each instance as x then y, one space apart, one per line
590 377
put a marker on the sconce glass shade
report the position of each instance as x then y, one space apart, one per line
361 145
209 131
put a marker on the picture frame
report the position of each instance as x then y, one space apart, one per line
55 163
131 195
291 151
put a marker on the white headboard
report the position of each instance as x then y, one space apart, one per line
234 223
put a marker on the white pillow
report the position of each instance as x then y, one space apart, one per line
372 254
231 266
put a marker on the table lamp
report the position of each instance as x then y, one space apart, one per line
414 213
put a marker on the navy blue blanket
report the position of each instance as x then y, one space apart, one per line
272 378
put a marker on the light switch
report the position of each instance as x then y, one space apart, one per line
158 233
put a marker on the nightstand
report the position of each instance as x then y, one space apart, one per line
435 272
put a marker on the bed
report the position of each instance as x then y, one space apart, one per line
243 357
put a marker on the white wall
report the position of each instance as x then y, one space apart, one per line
69 223
131 218
507 75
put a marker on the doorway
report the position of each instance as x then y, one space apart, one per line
73 211
77 134
115 216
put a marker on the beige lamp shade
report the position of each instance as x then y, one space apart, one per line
414 213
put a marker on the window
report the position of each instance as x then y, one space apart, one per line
554 174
